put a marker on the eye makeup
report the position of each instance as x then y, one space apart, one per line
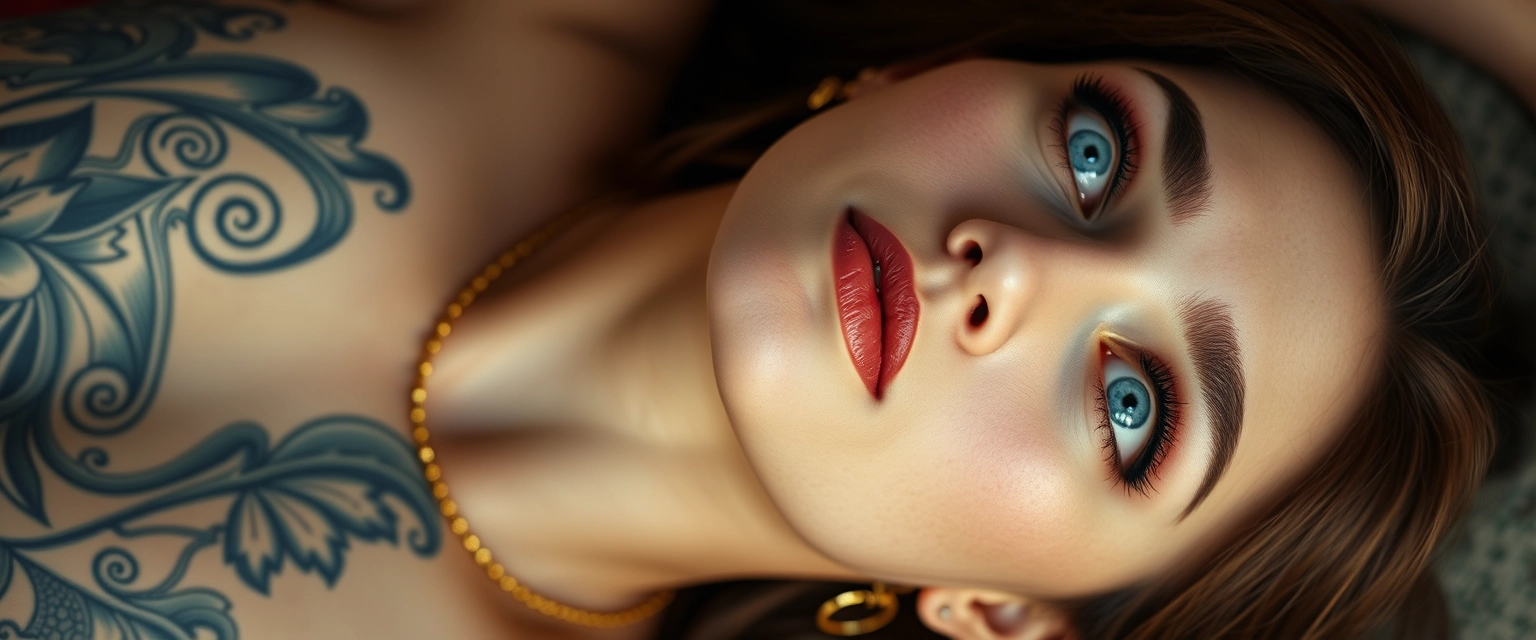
1093 116
1134 393
1121 407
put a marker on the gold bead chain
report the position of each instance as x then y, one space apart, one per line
434 473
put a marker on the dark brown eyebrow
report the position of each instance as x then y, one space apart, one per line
1218 365
1186 165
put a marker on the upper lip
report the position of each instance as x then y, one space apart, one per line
876 298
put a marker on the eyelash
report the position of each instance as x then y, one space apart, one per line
1144 469
1091 92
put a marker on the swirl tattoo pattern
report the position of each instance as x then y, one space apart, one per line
85 315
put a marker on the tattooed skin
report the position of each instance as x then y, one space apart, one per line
86 293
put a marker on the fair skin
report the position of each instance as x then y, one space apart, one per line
980 472
1058 489
499 115
592 413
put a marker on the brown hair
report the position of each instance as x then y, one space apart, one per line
1342 552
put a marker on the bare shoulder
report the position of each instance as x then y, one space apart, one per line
224 227
643 28
651 31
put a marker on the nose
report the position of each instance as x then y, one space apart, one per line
999 283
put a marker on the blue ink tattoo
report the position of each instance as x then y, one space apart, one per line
85 314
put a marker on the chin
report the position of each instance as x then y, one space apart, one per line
768 352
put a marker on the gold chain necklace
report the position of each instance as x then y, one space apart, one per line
434 473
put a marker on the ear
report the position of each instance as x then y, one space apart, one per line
981 614
873 79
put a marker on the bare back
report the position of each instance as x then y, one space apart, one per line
223 230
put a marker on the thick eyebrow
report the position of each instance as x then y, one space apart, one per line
1208 327
1186 166
1213 349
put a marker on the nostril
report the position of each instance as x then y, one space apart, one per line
979 314
973 254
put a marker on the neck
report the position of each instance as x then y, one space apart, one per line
581 428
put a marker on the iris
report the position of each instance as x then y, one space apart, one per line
1129 403
1089 152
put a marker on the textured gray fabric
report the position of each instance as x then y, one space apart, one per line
1489 574
1489 571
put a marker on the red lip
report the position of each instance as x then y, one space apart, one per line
878 326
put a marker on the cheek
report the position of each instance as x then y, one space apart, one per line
967 484
961 133
950 139
1006 504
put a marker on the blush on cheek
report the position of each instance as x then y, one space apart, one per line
1017 529
1010 496
958 122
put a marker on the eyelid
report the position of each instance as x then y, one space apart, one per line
1091 92
1093 188
1120 346
1147 466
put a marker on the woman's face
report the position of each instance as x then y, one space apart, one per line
1088 327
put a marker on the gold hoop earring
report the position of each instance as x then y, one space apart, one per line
880 597
832 89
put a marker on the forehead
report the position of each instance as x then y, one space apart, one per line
1287 242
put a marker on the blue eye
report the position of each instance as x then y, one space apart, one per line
1128 407
1129 403
1090 153
1092 156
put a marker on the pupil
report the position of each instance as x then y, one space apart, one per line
1092 154
1128 402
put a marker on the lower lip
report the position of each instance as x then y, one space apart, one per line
877 327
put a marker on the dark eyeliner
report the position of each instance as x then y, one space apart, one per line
1138 476
1092 93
